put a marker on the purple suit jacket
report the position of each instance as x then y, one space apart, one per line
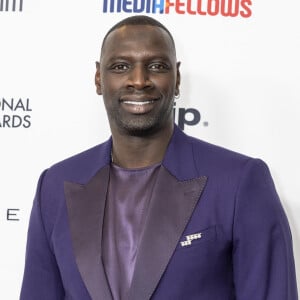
229 200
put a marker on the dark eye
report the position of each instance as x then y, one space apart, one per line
119 67
159 67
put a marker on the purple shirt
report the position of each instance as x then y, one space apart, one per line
128 196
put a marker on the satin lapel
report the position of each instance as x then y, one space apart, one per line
170 209
86 204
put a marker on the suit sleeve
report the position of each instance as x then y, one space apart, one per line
41 280
262 253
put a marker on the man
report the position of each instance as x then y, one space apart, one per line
153 213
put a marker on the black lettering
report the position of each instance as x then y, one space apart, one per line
6 5
20 105
182 120
6 121
16 121
7 104
26 123
27 105
11 214
13 105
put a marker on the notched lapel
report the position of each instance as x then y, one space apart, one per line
86 204
171 207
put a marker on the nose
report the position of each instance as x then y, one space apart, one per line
139 78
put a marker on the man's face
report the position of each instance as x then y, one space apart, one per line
138 77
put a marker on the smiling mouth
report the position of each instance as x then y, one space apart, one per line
139 106
140 103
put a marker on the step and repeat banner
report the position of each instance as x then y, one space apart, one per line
240 89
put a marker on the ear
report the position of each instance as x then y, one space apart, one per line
178 78
98 79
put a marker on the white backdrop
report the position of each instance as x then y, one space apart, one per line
241 74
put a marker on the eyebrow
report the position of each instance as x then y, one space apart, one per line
147 57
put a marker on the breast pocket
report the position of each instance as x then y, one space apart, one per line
198 238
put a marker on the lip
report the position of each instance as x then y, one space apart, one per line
138 105
143 102
138 98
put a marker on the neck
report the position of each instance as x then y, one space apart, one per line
138 152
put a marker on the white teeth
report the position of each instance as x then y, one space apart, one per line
138 102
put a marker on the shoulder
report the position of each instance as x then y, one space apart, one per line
216 159
189 157
212 157
82 166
